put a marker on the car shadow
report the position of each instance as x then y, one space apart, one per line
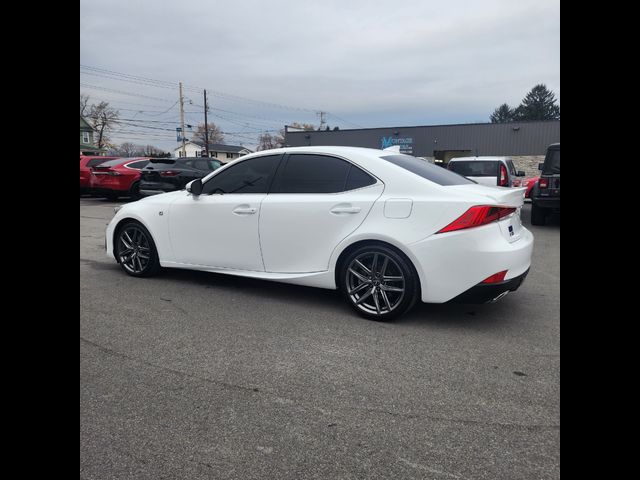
449 315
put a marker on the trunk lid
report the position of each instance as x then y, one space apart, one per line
151 172
492 194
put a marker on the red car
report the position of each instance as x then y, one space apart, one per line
86 162
530 183
118 177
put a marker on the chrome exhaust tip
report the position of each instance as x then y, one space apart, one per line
503 294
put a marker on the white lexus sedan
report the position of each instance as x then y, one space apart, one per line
384 228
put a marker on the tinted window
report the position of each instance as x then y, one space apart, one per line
358 178
313 174
475 168
112 163
427 170
512 168
138 165
249 176
552 162
95 161
202 164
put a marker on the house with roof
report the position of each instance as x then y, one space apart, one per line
87 145
224 153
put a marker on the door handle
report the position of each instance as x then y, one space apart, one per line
242 210
339 209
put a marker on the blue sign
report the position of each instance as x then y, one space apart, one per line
405 143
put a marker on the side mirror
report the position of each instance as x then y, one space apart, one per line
520 173
195 187
540 166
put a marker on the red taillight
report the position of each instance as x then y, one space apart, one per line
543 183
169 173
496 277
502 181
476 216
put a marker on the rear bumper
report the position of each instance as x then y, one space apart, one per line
452 263
487 292
546 202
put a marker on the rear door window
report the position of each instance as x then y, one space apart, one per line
310 173
475 168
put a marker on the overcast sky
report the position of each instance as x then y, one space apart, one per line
367 63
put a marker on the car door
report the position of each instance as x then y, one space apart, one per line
219 228
315 202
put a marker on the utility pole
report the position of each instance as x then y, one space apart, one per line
206 126
184 150
322 122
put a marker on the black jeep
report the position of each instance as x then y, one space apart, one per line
545 195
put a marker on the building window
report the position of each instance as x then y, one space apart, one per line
214 154
229 155
85 137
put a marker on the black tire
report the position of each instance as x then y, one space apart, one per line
538 215
373 299
133 236
134 192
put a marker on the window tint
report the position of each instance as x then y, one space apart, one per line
248 176
358 179
95 161
138 165
202 164
112 163
512 167
214 164
313 174
475 168
427 170
552 162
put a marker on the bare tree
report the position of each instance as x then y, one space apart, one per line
84 105
214 134
266 141
102 118
127 149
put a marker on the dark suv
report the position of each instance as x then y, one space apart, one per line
169 174
545 195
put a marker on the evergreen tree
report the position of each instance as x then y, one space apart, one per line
502 114
538 104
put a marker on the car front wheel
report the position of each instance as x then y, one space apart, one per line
135 250
378 282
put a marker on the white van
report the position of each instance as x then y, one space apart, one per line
487 170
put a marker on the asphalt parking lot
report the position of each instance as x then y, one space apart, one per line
193 375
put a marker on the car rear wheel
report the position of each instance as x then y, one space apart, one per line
538 215
378 282
134 191
135 250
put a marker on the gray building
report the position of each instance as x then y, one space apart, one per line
525 142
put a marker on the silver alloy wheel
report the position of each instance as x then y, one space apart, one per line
134 250
375 283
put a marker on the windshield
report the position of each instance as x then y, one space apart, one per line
552 162
475 168
424 169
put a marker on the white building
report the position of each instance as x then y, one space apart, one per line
224 153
